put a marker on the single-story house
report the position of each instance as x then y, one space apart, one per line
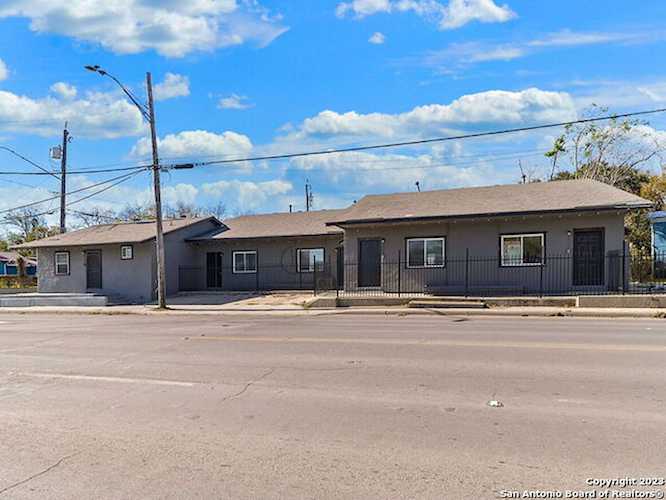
551 237
10 264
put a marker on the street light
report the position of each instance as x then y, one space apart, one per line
148 112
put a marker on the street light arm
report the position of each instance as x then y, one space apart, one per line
29 161
141 107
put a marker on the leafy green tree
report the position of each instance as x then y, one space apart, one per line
619 153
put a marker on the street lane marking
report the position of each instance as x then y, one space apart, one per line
446 343
122 380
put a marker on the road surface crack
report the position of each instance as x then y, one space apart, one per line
248 385
38 474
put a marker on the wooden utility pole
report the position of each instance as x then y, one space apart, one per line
159 234
63 179
308 196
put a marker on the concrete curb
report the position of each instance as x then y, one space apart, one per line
545 312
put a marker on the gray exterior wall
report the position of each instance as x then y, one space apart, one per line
134 279
182 253
276 263
186 262
482 238
130 279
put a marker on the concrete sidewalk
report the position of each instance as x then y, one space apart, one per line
194 310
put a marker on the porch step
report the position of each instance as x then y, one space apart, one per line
447 304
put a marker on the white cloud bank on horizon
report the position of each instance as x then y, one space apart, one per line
490 108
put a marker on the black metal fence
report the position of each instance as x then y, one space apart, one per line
613 273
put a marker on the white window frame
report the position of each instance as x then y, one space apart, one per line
522 249
56 264
122 252
310 266
245 253
425 252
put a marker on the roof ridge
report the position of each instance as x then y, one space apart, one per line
288 213
488 186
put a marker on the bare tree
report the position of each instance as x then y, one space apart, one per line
95 217
610 152
28 224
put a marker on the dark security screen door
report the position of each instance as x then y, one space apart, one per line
94 269
214 269
370 263
588 257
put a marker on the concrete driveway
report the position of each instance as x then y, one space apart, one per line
246 301
326 407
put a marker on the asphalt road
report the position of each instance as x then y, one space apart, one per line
326 407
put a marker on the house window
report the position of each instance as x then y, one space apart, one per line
245 261
308 258
522 249
126 252
61 263
425 252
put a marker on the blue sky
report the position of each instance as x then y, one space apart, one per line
245 77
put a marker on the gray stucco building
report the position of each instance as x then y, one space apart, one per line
549 237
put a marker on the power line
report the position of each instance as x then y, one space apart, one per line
50 212
27 205
28 160
81 172
415 142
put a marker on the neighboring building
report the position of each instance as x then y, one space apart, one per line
10 264
549 237
658 224
658 231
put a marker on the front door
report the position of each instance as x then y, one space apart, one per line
370 263
94 269
588 262
214 269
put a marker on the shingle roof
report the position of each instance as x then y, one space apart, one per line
278 225
557 196
11 257
121 232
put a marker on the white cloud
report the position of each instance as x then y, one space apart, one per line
461 55
197 144
4 72
247 195
95 115
173 28
64 90
377 38
362 8
234 101
491 108
455 14
395 172
617 94
174 85
460 12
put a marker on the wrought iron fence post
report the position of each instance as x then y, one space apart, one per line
624 266
399 272
466 272
314 279
541 278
